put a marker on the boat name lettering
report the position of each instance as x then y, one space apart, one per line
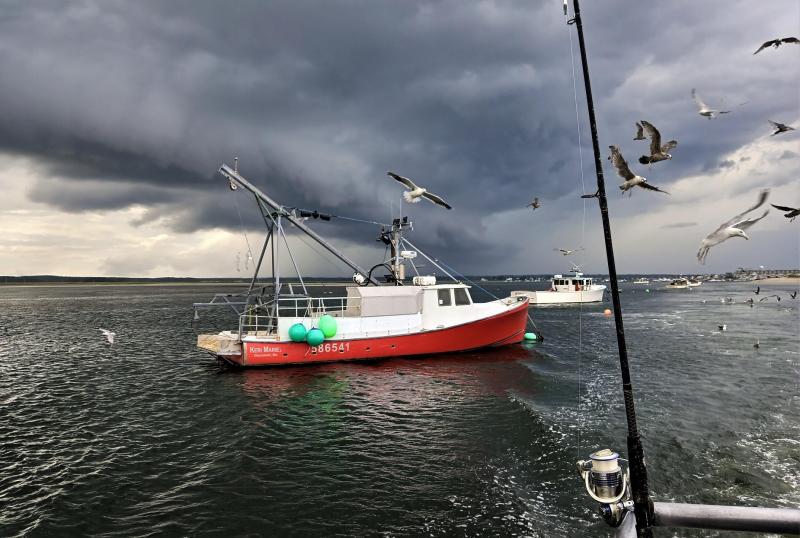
264 349
327 347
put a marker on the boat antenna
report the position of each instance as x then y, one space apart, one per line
642 505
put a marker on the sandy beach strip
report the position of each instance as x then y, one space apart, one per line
778 281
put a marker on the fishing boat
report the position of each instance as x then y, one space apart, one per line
678 284
641 280
693 283
373 319
565 290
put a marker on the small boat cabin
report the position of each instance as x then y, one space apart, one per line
570 283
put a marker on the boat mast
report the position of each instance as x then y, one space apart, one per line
233 175
395 240
639 487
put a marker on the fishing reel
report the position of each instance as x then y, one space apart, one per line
607 484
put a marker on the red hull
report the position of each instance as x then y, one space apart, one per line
503 329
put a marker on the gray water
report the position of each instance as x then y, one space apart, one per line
152 437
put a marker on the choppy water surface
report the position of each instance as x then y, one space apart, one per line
151 437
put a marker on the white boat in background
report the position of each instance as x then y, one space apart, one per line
679 284
566 290
641 280
694 283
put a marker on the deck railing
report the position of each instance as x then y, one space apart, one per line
263 319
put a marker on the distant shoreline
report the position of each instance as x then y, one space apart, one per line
781 280
88 283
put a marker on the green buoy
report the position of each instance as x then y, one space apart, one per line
315 337
327 324
531 336
297 332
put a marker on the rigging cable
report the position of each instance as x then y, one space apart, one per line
463 277
241 223
583 226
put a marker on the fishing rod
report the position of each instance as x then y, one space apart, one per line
642 506
602 475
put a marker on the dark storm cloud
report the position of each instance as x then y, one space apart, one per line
473 100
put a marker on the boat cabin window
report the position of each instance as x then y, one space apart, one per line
462 297
444 297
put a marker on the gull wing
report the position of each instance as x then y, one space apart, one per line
776 124
766 44
655 137
404 180
783 207
745 224
620 164
651 187
699 102
639 132
668 146
436 199
792 40
762 197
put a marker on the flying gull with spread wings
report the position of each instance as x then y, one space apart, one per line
780 127
657 151
414 193
535 204
631 180
734 227
775 43
791 212
566 251
703 109
109 336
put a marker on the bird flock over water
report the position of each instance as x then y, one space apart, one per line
658 152
734 227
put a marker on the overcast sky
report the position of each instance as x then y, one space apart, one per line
115 116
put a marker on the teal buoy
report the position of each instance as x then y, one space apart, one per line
297 332
647 290
531 336
315 337
327 324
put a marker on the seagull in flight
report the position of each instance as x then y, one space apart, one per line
567 252
780 127
775 43
791 212
535 204
703 108
109 336
631 180
639 132
768 296
793 295
415 193
734 227
657 151
758 290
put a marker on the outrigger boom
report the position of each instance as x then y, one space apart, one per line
261 198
